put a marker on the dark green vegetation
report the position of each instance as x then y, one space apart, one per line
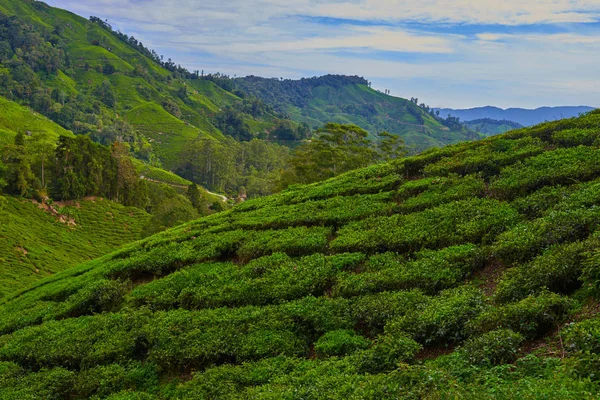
491 127
350 100
40 161
470 271
104 84
94 81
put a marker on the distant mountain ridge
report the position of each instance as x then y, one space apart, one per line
522 116
490 127
351 100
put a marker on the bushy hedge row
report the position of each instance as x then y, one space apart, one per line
352 288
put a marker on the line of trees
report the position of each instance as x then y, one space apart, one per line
74 168
259 168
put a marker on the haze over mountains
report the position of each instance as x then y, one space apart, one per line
521 116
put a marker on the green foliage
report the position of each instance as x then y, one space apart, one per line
557 270
556 167
532 317
473 220
584 336
494 348
386 353
445 318
431 271
409 279
340 343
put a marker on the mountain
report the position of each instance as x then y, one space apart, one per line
470 271
93 80
350 100
490 127
518 115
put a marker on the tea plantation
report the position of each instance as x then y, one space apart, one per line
35 243
469 272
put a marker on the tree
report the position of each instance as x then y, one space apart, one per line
106 94
198 200
19 177
336 149
42 146
390 147
284 130
127 177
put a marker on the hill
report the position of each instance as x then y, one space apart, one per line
470 271
93 80
518 115
491 127
15 118
350 100
37 241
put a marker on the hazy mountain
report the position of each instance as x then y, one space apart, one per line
520 115
351 100
490 127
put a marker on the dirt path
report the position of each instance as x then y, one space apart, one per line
220 196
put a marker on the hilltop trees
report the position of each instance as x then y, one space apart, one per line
337 149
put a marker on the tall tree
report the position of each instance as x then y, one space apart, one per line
19 177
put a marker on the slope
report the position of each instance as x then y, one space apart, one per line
519 115
490 127
15 118
91 79
38 241
470 271
350 100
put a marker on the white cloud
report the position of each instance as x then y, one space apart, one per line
274 38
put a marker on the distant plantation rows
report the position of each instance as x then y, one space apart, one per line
470 271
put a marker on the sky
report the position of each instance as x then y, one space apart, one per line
447 53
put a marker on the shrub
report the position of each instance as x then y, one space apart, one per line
97 297
444 320
439 191
557 270
386 353
339 343
584 336
493 348
556 167
372 312
532 316
576 137
486 157
432 271
471 221
526 240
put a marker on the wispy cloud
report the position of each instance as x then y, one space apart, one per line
448 52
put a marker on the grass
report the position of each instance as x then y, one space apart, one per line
445 275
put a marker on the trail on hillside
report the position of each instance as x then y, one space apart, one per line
223 198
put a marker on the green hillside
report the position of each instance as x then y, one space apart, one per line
350 100
470 271
38 241
491 127
91 80
15 118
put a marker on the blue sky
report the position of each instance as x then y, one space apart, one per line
448 53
